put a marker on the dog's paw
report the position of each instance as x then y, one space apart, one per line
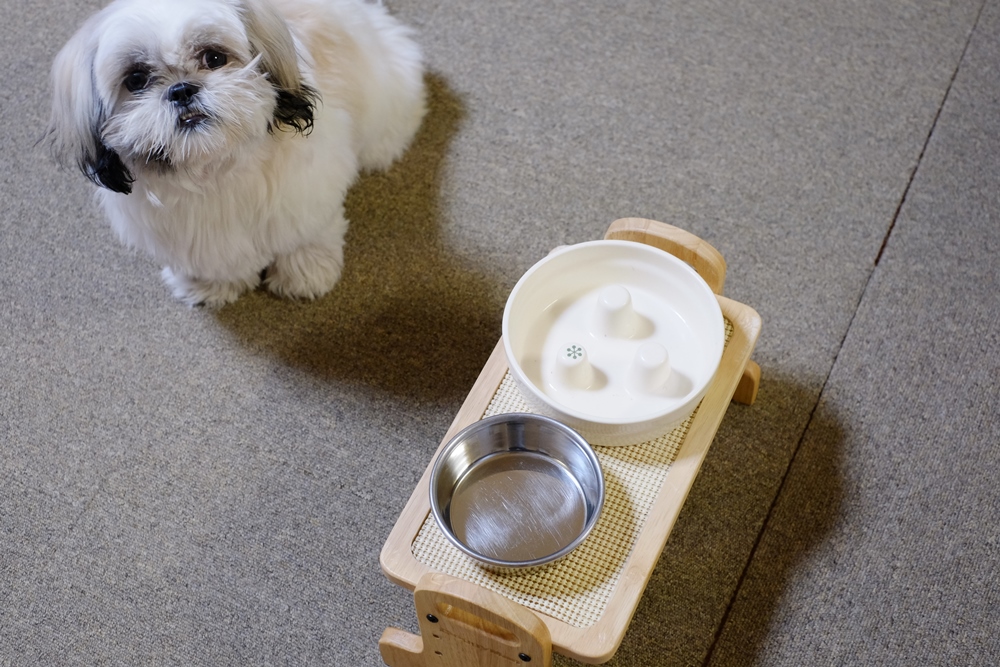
307 273
211 293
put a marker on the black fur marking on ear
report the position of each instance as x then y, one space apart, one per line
106 169
295 110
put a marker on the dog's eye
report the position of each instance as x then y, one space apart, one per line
213 59
136 80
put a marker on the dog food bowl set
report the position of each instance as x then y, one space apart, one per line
538 522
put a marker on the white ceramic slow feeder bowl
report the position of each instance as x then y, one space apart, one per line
617 339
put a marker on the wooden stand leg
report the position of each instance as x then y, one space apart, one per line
746 390
465 625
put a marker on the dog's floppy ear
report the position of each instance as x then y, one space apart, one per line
270 39
74 129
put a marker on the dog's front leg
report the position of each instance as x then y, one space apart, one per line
212 293
312 269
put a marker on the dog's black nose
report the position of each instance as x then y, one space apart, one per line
181 93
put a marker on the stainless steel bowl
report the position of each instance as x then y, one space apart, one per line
517 490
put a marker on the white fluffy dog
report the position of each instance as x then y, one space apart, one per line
225 133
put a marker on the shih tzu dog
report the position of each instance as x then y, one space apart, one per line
224 134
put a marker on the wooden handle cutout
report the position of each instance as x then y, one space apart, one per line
702 257
465 625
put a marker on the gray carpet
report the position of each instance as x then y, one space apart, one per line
187 487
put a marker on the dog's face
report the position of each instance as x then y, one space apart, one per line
167 84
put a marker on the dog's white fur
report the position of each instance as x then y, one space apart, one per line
241 190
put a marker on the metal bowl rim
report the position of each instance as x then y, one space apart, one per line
487 422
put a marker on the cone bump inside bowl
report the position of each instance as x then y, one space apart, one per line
614 315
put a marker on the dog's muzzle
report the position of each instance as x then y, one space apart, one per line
182 96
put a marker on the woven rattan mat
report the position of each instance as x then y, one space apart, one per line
576 589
